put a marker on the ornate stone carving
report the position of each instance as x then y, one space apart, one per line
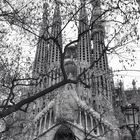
66 107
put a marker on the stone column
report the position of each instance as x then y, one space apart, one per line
80 118
50 118
86 121
91 122
35 132
97 128
44 129
40 125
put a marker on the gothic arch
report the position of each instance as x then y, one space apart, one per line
64 133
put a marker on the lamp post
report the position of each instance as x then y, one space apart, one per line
131 116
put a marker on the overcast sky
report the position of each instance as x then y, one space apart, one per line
126 76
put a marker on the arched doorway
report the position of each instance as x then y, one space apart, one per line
64 133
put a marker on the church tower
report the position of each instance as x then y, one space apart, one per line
99 58
69 112
54 54
54 47
84 46
41 57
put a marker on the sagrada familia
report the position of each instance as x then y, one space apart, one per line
73 111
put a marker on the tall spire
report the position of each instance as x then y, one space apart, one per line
96 12
122 96
97 35
84 36
54 55
96 23
40 63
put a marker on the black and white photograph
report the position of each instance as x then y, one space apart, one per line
69 69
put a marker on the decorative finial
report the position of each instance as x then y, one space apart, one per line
133 82
45 8
120 83
45 5
82 1
58 2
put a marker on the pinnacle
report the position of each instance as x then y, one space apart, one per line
45 5
82 1
58 2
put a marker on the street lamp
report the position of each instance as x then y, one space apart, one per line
131 116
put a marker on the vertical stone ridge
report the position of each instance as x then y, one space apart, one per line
84 46
101 80
41 57
54 54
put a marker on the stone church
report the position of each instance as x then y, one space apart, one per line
73 111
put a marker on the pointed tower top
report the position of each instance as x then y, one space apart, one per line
96 5
134 84
83 1
57 2
40 65
83 14
54 54
97 17
45 6
83 50
57 10
45 21
45 11
120 83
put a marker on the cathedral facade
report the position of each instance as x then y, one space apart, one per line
74 111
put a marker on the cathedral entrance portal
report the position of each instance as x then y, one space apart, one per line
64 133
